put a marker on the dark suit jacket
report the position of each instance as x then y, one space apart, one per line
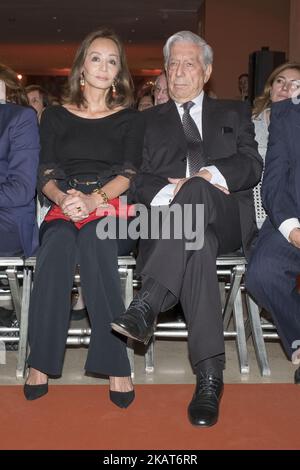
228 138
281 182
19 154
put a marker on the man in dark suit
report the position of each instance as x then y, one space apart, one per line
220 135
19 154
275 264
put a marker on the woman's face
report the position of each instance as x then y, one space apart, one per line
286 85
102 64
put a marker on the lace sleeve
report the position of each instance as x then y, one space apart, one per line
126 170
46 173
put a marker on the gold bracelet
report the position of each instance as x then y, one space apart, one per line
102 194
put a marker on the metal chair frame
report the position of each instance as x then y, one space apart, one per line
19 268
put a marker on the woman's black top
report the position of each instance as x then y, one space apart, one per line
73 146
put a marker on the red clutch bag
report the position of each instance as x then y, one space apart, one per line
114 208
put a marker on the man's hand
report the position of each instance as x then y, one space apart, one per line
179 183
294 237
221 188
205 174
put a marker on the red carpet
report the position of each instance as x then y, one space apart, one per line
81 417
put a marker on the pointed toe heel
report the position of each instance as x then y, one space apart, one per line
33 392
122 399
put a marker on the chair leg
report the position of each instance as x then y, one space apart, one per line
15 290
126 276
23 335
257 336
149 357
240 334
130 354
238 272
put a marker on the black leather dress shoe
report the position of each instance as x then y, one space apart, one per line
297 376
204 407
138 322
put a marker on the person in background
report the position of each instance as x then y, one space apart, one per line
243 85
91 147
160 90
146 101
277 88
38 98
19 156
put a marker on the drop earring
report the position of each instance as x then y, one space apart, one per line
113 89
82 81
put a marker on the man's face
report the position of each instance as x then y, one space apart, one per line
186 71
161 94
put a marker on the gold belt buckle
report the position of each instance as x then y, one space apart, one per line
87 183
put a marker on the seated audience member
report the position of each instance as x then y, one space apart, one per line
90 148
19 154
160 90
38 98
144 102
205 149
275 262
276 89
243 84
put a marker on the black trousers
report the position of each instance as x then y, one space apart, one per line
63 246
190 275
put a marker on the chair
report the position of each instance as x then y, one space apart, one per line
19 268
14 272
259 329
76 336
230 268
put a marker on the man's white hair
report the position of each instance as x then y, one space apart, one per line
188 36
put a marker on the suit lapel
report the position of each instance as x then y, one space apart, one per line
207 122
169 111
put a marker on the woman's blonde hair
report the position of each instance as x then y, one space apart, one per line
15 92
264 100
123 82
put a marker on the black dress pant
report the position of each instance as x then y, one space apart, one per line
272 280
63 246
190 275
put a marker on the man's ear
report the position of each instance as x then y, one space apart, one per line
2 91
207 73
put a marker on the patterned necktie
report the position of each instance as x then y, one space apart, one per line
195 157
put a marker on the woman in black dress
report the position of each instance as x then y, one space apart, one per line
90 148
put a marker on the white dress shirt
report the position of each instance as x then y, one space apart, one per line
166 194
287 226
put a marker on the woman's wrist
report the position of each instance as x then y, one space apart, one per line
59 198
100 196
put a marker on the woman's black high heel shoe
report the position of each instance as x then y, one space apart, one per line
122 399
33 392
